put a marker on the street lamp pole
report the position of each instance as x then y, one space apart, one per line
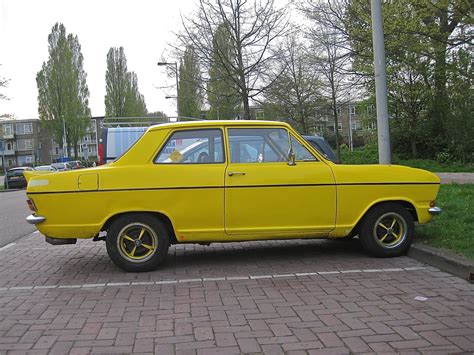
383 130
175 64
65 152
351 142
3 164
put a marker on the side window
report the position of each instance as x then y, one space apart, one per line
200 146
258 145
302 154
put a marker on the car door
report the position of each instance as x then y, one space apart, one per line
264 194
188 173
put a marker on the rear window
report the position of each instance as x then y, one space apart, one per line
120 140
15 172
199 146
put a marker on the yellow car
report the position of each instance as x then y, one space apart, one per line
226 181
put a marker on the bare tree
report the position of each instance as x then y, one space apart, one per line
331 53
295 93
4 84
254 28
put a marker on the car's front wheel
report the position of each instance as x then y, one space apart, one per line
137 242
387 230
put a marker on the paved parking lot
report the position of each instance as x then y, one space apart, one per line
262 297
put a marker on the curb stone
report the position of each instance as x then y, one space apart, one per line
443 260
456 178
9 190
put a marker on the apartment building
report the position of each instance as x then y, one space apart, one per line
23 142
359 116
28 142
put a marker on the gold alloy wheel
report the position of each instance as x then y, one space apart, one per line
137 242
390 230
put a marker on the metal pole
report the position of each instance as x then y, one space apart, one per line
383 129
351 143
4 167
177 88
65 152
96 124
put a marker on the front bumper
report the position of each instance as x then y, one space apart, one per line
435 210
32 219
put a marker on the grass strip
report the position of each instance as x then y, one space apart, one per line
454 228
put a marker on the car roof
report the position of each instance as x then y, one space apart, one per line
307 136
19 168
213 123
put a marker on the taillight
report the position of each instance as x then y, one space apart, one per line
101 153
31 205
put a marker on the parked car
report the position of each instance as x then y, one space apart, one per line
323 147
250 180
61 166
48 168
76 164
115 141
15 178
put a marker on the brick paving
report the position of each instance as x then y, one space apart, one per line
278 297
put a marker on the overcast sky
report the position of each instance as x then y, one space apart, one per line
142 27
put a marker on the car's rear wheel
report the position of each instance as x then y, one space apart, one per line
137 242
387 230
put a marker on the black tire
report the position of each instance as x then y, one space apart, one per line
387 230
137 242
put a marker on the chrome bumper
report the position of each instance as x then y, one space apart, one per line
435 210
32 219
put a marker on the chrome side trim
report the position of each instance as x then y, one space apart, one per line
435 210
32 219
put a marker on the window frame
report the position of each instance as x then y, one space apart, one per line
27 147
8 127
270 144
23 130
316 158
173 131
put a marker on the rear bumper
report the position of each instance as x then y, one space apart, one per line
32 219
16 183
434 211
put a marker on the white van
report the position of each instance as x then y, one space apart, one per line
115 141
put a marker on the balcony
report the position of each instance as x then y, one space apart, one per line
8 136
7 152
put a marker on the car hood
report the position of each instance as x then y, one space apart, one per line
347 174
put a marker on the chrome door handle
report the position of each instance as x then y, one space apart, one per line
232 173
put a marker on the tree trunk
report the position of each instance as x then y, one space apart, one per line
414 152
336 121
245 100
68 149
440 105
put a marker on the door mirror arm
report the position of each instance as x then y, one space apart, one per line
291 157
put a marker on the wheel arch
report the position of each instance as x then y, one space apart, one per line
408 205
163 218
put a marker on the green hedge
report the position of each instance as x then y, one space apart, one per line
369 155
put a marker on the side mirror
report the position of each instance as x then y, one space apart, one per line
291 157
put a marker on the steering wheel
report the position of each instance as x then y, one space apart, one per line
203 158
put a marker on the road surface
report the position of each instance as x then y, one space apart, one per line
13 210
